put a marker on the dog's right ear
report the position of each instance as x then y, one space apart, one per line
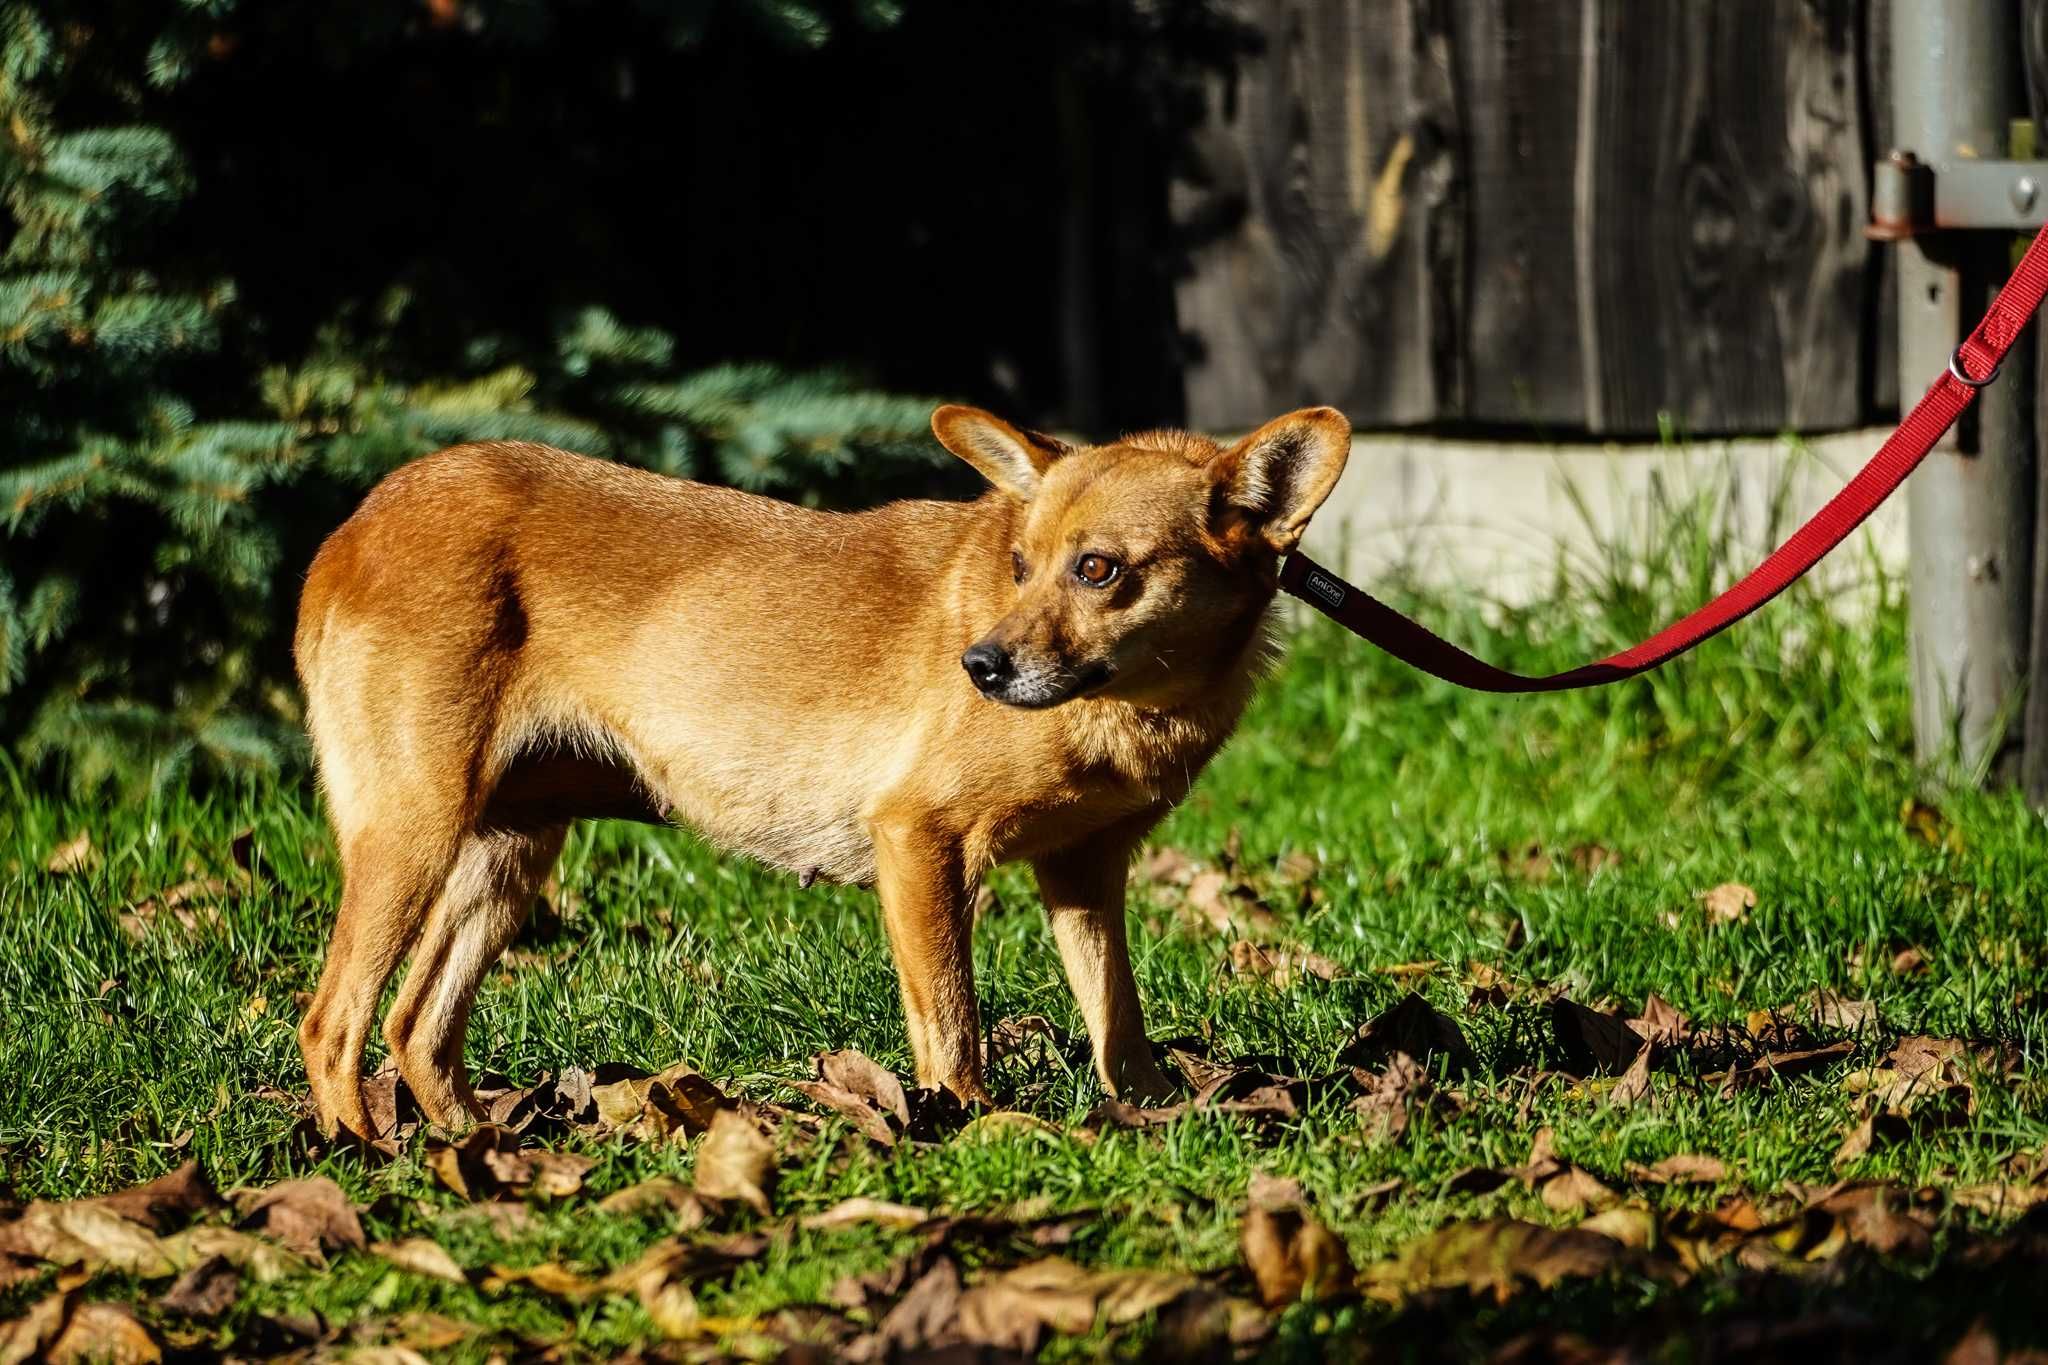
1011 458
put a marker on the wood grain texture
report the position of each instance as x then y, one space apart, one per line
1591 215
1324 216
1519 67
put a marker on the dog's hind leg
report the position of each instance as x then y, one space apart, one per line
391 872
479 912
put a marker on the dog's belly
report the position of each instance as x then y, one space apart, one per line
792 797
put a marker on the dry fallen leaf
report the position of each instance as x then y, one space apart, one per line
1011 1309
206 1290
73 856
677 1102
736 1160
860 1211
1728 903
1290 1253
1593 1040
1279 967
1634 1086
308 1216
489 1163
104 1332
1496 1256
1681 1169
1414 1026
1659 1023
422 1256
1576 1189
1389 1099
1224 905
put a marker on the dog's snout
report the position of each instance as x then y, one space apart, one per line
990 666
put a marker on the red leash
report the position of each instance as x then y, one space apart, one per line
1974 364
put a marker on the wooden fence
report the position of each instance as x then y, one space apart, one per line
1603 217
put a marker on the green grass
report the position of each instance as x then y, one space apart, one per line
1777 756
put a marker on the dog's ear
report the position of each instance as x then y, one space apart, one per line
1011 458
1275 478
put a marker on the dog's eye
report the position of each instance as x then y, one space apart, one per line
1018 572
1097 571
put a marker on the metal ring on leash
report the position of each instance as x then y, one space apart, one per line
1962 376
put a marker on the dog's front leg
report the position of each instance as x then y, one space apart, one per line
921 876
1083 887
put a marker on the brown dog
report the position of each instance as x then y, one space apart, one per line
505 638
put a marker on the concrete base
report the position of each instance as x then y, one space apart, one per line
1500 521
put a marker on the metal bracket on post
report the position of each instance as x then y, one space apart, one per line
1909 196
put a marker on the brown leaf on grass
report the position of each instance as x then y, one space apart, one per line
1031 1037
868 1078
1494 1256
1877 1216
1279 967
861 1211
489 1163
1219 902
207 1289
105 1332
1776 1066
1908 961
1414 1026
1659 1023
1591 859
872 1097
1681 1169
1832 1010
924 1316
309 1216
1389 1099
26 1337
71 857
1728 903
167 1200
1528 863
661 1191
1927 824
2000 1199
192 905
1593 1040
1634 1086
1297 866
1631 1225
736 1161
1013 1309
86 1233
1290 1253
677 1102
422 1256
1576 1189
1169 865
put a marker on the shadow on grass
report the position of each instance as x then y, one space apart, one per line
1978 1299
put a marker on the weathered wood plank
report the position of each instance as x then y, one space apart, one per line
1728 197
1325 221
1583 214
1518 70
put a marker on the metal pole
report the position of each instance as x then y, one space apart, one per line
1970 507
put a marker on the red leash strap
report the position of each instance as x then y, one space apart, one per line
1974 365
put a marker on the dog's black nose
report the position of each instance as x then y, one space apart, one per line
990 666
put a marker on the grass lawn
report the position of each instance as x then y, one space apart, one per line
1384 821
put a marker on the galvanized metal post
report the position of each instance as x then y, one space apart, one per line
1970 507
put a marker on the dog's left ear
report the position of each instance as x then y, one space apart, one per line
1011 458
1279 475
